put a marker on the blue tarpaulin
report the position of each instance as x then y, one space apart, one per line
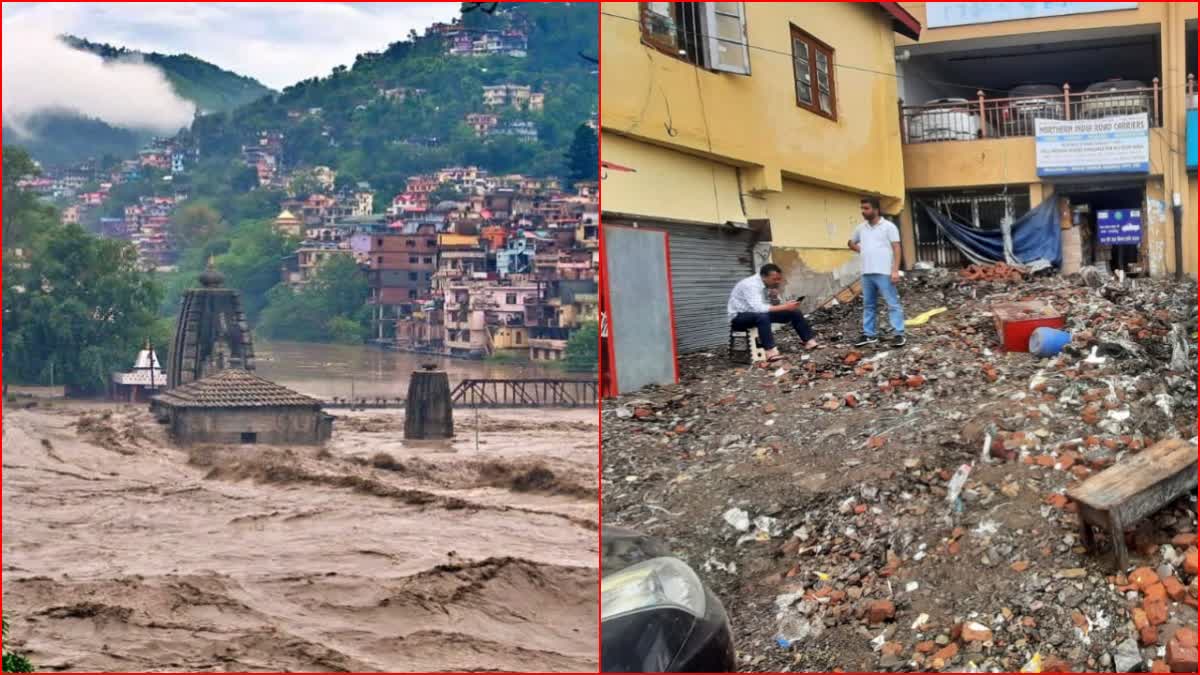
1036 237
1191 139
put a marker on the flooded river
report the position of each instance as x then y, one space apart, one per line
326 371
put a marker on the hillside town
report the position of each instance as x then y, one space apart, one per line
507 265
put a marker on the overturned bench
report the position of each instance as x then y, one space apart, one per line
1124 493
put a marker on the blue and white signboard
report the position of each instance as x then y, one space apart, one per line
1117 144
1192 139
1115 228
945 14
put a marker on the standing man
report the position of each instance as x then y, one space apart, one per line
749 308
877 241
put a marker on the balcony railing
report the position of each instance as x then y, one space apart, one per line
965 120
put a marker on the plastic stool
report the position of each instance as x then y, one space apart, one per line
744 343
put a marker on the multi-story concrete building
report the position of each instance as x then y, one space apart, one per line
982 75
400 268
745 154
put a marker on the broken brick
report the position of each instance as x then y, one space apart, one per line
1156 592
1156 611
1143 578
926 647
880 611
1020 566
1175 588
975 632
1189 564
1148 636
1181 651
1184 539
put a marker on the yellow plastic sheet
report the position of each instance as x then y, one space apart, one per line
924 318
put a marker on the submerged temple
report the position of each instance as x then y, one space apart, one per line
211 333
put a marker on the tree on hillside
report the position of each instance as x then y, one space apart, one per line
23 214
76 307
583 349
331 308
254 262
445 192
194 224
583 159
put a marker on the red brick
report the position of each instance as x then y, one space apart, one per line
1057 501
1159 666
975 632
1156 592
926 647
880 611
1143 578
1148 636
1184 539
892 649
1175 588
1054 664
1181 651
1139 618
1156 611
945 654
915 381
1189 564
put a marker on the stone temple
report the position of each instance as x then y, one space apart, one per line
212 395
211 333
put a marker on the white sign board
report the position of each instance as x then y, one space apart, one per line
944 14
1118 144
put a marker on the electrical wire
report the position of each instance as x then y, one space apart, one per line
768 50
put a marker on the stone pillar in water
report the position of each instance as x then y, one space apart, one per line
428 412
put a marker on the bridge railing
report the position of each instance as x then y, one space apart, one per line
497 393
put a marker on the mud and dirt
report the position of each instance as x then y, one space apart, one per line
815 498
122 552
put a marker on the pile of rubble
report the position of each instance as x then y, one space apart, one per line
906 509
994 272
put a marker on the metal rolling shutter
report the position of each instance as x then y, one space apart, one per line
706 263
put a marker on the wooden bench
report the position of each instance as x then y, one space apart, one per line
1126 492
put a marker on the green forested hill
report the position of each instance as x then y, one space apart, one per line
60 137
365 136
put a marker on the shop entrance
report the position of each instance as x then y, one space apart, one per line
1109 223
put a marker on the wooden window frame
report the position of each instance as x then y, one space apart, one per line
650 39
815 46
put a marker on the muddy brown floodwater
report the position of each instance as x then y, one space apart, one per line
122 552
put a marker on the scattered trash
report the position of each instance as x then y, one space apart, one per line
860 494
923 319
738 519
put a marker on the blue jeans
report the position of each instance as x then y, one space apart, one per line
873 286
748 320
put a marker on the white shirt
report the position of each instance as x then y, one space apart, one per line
876 243
750 295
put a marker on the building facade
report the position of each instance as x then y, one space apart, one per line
971 149
747 154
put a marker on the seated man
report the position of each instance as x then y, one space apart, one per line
749 307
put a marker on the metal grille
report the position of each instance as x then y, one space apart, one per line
706 263
982 212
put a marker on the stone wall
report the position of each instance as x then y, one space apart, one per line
272 426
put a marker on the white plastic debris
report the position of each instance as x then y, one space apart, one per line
738 519
957 482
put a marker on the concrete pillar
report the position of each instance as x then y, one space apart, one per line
429 414
908 235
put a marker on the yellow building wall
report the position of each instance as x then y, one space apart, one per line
810 227
992 161
1190 225
753 121
668 184
1146 13
511 338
